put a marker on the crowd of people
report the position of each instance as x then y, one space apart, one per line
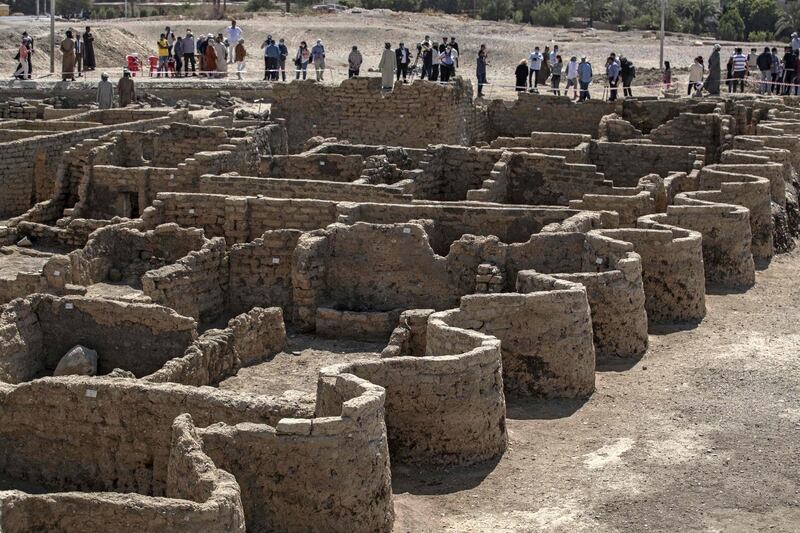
437 61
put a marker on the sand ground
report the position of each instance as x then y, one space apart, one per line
507 43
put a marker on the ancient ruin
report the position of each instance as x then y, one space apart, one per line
153 257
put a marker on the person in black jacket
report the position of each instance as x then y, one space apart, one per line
522 76
764 63
403 59
788 68
627 73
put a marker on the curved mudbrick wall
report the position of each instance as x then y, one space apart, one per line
445 407
199 497
672 271
727 257
545 335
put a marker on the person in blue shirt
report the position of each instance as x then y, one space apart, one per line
584 78
318 58
272 56
612 71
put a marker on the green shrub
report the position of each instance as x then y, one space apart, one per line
731 26
552 13
760 36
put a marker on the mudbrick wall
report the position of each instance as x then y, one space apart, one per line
545 335
538 179
712 131
28 168
198 497
136 337
357 109
46 423
672 271
726 238
533 112
444 404
625 163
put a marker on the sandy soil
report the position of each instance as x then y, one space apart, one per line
507 43
700 434
297 367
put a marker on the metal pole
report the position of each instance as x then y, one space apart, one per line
37 9
661 51
52 36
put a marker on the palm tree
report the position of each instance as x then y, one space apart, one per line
788 20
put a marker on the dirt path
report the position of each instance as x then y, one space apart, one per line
701 434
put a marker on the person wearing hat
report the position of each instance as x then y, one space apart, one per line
714 72
318 58
188 52
105 92
403 57
125 89
387 66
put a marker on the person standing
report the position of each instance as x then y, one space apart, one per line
556 66
572 78
696 72
239 55
211 57
544 73
272 56
28 40
301 60
354 61
480 70
22 61
612 72
666 77
222 56
454 51
435 62
714 72
126 89
282 60
177 54
188 53
387 66
402 58
535 65
105 92
318 57
764 65
427 61
788 69
233 34
163 55
627 72
739 62
521 75
78 54
584 78
775 71
68 58
202 46
446 64
89 61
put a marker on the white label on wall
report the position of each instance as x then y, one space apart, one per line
322 163
406 230
172 176
599 261
191 211
276 260
67 306
91 393
56 272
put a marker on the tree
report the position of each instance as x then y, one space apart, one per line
496 9
731 26
788 19
757 15
698 16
